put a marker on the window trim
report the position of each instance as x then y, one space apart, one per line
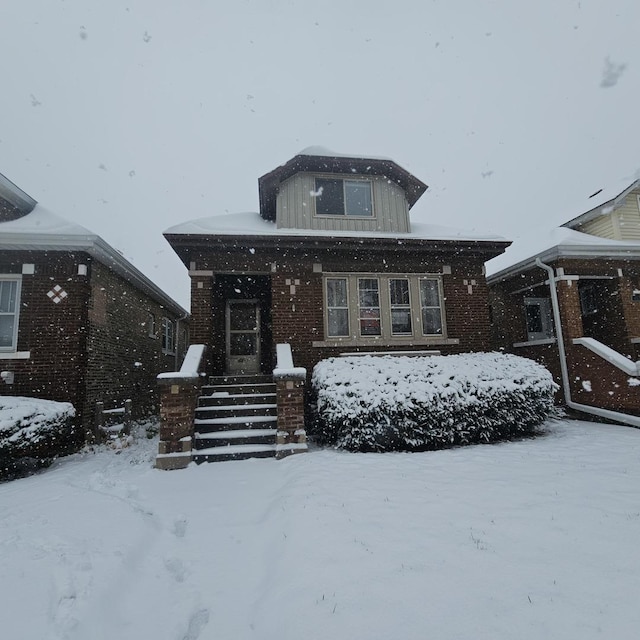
17 278
326 307
166 348
386 336
548 332
344 179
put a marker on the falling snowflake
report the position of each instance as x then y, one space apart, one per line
611 73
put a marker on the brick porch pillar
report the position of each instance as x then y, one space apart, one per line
292 437
178 400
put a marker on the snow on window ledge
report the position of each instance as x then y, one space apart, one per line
385 343
15 355
535 343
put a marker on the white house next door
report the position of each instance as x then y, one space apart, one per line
243 337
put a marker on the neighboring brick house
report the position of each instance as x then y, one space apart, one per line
595 261
333 264
78 322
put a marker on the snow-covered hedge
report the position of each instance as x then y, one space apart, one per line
386 403
33 429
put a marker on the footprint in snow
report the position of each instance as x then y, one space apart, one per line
197 622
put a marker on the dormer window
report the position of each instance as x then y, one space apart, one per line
337 197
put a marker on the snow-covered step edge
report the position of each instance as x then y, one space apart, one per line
235 448
233 419
235 407
238 433
230 396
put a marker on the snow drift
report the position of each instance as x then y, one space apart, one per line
385 403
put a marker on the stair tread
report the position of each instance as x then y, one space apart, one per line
235 448
225 394
242 419
235 407
236 433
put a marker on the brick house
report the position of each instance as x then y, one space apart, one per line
570 299
332 264
78 322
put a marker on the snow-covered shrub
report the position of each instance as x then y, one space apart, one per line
33 430
385 403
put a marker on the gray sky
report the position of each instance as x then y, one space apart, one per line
132 116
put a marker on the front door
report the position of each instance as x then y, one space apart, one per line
243 337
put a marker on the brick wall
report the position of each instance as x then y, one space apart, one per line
85 347
593 380
297 318
55 335
123 360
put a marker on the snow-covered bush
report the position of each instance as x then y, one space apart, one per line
386 403
33 430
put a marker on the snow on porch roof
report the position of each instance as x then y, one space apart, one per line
252 224
319 159
556 243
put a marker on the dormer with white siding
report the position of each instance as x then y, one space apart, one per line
321 190
615 213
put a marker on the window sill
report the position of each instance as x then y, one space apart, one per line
635 340
384 342
534 343
15 355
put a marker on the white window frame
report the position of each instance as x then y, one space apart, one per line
546 319
327 308
343 214
12 348
417 336
400 307
168 335
439 306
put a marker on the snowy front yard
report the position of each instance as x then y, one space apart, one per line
527 540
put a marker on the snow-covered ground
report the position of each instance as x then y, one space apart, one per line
528 540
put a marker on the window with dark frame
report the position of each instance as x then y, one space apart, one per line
338 197
151 325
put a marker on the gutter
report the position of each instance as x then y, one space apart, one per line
596 411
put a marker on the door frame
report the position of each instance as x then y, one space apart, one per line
255 359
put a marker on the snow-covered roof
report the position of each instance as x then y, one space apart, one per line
15 196
252 224
601 202
556 243
316 150
322 160
43 230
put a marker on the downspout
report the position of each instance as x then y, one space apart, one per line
596 411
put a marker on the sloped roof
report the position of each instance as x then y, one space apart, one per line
560 242
319 159
43 230
252 224
602 202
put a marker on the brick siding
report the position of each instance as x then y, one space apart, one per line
84 348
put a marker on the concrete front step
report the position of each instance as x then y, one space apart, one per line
225 399
240 410
237 389
234 452
253 379
211 425
235 437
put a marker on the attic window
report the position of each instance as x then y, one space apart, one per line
336 197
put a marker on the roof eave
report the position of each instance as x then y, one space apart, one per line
98 249
557 252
